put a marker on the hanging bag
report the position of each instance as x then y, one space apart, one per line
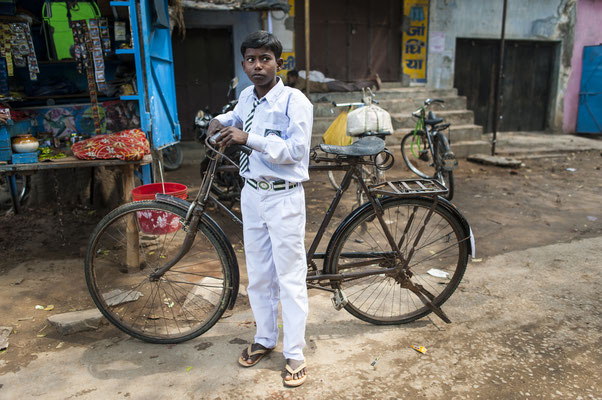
57 16
370 118
335 134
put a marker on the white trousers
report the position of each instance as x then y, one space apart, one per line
274 234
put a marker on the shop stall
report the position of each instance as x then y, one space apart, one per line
73 70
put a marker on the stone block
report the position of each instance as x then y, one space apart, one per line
77 321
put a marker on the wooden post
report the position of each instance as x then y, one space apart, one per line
500 81
307 48
132 257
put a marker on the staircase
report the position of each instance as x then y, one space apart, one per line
466 137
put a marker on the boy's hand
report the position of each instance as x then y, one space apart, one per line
231 135
213 127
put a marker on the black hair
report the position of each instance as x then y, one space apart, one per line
293 73
259 39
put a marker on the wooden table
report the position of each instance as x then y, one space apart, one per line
127 169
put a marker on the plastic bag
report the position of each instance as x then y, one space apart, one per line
369 118
336 132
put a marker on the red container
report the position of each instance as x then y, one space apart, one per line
158 222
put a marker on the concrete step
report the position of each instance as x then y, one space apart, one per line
454 117
383 94
394 106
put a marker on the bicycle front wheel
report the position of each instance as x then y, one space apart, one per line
417 155
137 239
437 262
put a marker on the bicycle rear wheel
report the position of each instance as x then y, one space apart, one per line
417 155
437 263
135 240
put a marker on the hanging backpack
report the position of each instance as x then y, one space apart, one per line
57 16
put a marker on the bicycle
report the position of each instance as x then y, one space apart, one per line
430 156
163 271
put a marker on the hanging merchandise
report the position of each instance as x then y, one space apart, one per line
6 47
17 48
57 16
84 48
97 53
103 25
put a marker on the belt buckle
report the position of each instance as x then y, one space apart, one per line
264 185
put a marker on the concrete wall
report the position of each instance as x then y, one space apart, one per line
242 23
547 20
588 32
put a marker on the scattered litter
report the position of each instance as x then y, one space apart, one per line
151 357
49 307
592 218
420 349
41 335
25 319
477 260
5 332
571 169
438 273
188 369
18 281
58 346
373 363
39 307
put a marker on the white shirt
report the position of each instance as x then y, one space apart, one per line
280 134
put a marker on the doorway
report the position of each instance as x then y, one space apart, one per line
204 66
351 39
527 88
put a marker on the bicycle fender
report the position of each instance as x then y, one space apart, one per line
467 229
215 230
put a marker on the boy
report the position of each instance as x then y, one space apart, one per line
276 122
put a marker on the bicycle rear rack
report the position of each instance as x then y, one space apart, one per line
409 187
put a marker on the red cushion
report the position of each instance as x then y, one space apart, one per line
129 145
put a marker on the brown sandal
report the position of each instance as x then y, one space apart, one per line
295 382
260 353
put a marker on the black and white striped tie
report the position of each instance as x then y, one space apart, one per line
244 158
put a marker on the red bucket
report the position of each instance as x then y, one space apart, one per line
158 222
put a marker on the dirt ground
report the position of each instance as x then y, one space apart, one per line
550 200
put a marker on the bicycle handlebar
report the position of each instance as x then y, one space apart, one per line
428 102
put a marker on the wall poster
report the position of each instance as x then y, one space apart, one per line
414 42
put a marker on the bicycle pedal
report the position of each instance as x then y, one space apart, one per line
339 300
424 155
449 161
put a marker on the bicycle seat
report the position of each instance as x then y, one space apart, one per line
432 120
365 146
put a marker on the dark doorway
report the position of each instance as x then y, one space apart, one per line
527 84
351 39
204 66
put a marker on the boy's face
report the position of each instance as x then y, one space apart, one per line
261 66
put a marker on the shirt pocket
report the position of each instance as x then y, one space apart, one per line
275 124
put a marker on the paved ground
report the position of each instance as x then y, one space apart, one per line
526 318
541 341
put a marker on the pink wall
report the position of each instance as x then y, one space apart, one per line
588 32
